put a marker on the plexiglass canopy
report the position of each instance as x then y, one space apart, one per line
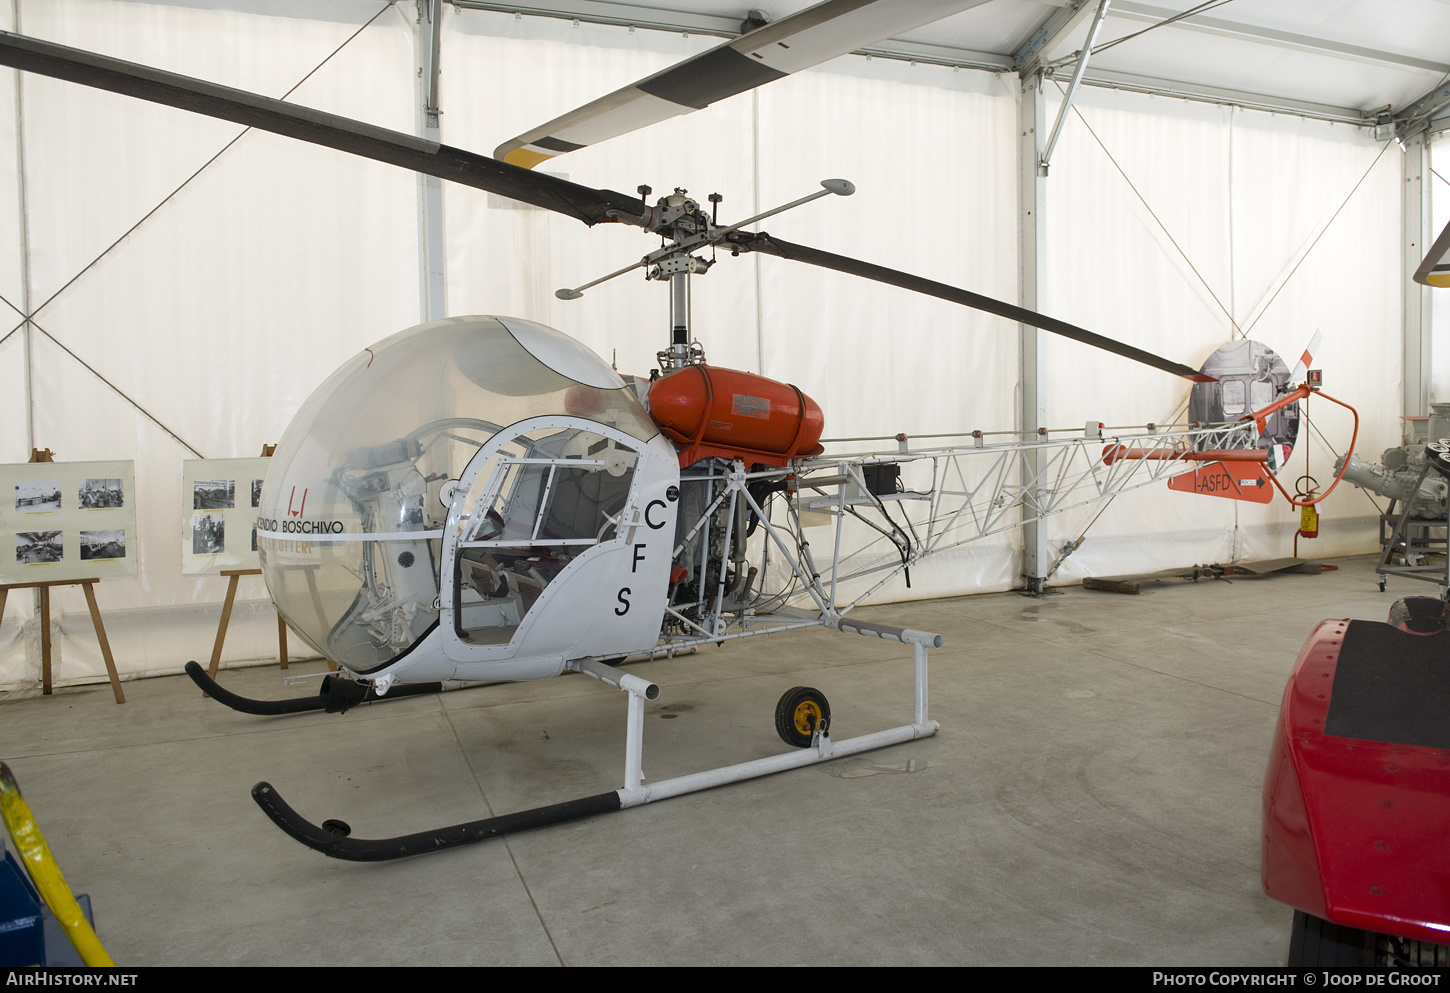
352 513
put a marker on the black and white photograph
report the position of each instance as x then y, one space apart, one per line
208 534
108 544
58 506
254 536
35 547
220 486
100 494
213 494
37 495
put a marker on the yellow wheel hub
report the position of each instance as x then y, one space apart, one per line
807 716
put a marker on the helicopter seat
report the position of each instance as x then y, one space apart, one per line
491 604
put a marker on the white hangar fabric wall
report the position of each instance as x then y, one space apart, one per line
187 284
1183 226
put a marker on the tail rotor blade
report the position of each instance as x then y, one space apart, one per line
1301 368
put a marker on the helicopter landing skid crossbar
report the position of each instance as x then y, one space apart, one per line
821 748
335 695
332 837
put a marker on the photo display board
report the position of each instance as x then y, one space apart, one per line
67 520
219 500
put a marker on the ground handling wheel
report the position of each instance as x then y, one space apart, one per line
1318 942
800 711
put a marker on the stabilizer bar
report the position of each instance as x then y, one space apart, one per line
335 695
332 838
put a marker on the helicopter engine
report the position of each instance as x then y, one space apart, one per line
712 535
1399 470
717 417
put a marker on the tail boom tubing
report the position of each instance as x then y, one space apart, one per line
1112 453
305 124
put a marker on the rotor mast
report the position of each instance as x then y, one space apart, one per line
678 354
684 226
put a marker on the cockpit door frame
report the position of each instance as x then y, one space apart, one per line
467 504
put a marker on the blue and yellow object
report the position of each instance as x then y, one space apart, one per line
21 928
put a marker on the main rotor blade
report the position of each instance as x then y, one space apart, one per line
815 35
1435 268
453 164
763 242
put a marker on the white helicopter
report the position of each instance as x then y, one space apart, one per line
484 499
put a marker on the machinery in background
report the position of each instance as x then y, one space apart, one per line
1414 526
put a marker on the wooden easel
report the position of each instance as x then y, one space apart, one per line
44 587
89 585
233 577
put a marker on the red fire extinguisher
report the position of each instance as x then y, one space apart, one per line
1308 518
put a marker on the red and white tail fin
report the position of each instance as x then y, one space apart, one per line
1301 368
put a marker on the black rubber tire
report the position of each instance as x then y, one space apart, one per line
1408 953
1314 941
798 712
1418 614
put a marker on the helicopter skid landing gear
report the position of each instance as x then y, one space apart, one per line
333 839
818 745
334 696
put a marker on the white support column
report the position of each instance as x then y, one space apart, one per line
23 205
1415 237
1032 239
431 246
634 743
919 663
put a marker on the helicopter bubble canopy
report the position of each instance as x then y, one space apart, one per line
351 517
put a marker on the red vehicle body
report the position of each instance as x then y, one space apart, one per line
1356 801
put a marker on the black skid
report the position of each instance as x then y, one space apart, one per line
332 839
334 696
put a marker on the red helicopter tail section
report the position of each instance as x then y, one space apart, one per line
1248 480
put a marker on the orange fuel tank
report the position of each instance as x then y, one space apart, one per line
709 411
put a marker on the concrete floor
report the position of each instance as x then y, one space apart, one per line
1092 799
